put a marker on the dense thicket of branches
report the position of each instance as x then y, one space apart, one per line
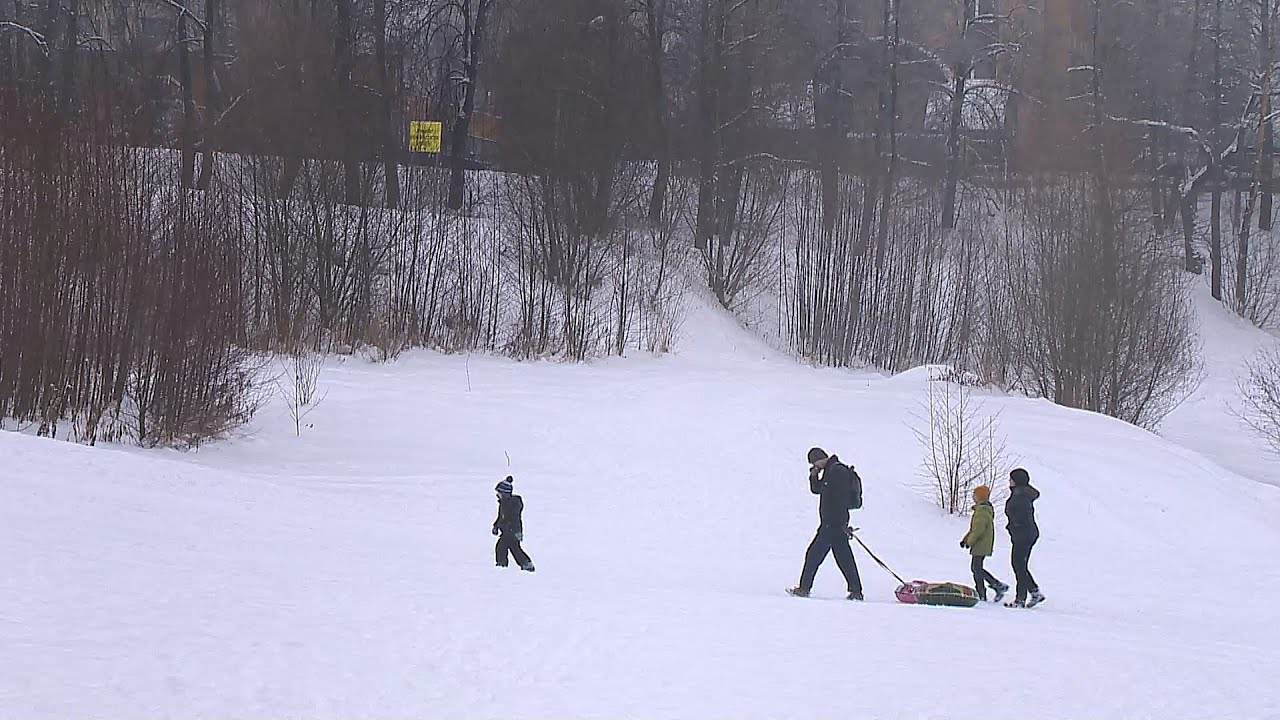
1017 193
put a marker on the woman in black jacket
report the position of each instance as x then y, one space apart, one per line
1020 510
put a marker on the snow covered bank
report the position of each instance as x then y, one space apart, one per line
348 572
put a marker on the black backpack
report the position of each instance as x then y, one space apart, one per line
855 490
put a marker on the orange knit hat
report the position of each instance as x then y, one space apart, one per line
981 494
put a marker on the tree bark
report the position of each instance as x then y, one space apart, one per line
71 42
474 31
1215 114
188 103
708 119
953 146
213 97
344 58
390 146
658 99
1266 162
829 113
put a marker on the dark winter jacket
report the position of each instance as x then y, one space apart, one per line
1020 510
510 512
835 487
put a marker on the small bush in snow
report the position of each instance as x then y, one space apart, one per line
1260 392
962 443
297 384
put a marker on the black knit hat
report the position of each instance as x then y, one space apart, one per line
816 454
505 487
1020 477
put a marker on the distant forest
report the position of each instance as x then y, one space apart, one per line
197 193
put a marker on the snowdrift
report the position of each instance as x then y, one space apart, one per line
348 572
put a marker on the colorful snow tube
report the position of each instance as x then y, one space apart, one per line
919 592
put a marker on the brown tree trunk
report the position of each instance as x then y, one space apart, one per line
1215 176
344 57
658 99
213 97
474 32
390 146
709 135
188 102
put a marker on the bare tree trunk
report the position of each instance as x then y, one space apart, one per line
49 25
1188 212
1215 175
67 95
960 70
829 113
1267 164
344 57
1215 241
891 127
474 31
390 146
1246 222
658 99
1189 203
708 120
188 102
213 96
959 81
1262 165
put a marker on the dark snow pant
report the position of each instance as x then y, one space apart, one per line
1021 557
834 540
509 543
982 578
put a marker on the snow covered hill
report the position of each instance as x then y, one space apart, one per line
1207 422
348 572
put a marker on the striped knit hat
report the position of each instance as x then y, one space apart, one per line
505 487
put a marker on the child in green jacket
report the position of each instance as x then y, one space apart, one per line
980 542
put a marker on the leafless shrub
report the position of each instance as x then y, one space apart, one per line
897 302
560 82
651 278
737 263
119 308
297 383
1097 312
962 442
1260 396
1261 302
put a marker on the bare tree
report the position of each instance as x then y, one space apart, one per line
961 439
1260 395
468 25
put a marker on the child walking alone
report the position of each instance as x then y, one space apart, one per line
980 542
509 527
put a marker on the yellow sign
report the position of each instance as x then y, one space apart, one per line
424 137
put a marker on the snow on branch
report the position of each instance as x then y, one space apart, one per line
36 37
103 42
1190 132
182 10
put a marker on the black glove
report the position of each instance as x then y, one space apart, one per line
495 529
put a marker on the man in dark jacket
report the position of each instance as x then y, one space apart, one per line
1020 510
833 482
509 527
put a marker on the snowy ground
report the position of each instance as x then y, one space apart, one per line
348 572
1207 421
